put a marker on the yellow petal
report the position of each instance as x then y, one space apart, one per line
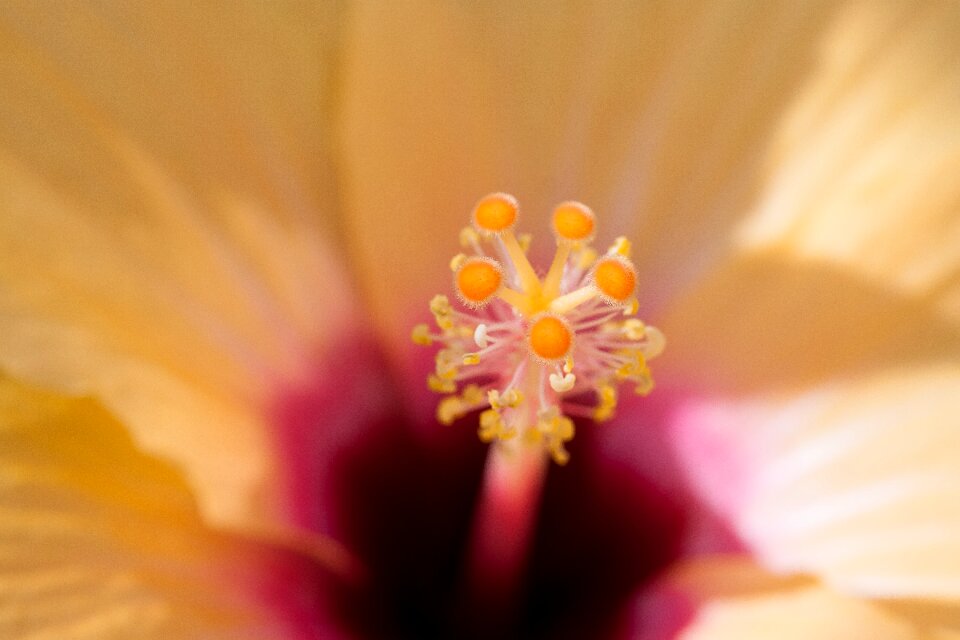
163 229
936 620
861 170
763 321
100 540
738 601
654 115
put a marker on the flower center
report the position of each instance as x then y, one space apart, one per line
512 351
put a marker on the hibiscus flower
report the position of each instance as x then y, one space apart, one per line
219 227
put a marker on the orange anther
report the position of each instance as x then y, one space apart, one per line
573 221
550 337
495 213
615 277
478 279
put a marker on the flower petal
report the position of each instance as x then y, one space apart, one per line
160 246
647 112
862 167
100 540
856 481
738 601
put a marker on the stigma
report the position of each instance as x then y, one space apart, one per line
530 351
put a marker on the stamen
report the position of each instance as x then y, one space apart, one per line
457 261
480 335
470 239
441 309
421 335
656 343
511 351
562 384
621 246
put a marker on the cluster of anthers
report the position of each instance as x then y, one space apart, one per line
532 352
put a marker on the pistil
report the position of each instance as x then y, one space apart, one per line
504 525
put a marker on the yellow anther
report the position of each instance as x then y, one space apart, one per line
559 454
621 246
634 329
555 429
441 310
631 307
656 343
471 358
489 419
449 409
512 398
635 366
524 240
532 436
585 258
644 387
457 261
495 213
615 278
573 222
568 364
447 363
509 398
493 427
472 395
439 385
439 304
478 280
468 238
550 337
421 335
608 403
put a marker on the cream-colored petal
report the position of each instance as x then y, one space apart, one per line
862 169
738 601
655 114
856 480
849 258
98 540
165 220
763 321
